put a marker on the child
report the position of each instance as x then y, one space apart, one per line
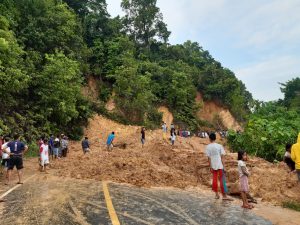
287 157
44 155
243 174
85 145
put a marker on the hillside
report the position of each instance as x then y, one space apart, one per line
157 164
81 51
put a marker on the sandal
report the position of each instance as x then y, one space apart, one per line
217 197
20 183
247 207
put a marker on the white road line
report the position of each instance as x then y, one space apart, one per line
16 186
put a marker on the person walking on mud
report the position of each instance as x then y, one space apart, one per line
173 137
295 155
164 130
17 150
85 144
110 140
44 156
215 153
143 138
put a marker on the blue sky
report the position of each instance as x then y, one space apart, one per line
259 40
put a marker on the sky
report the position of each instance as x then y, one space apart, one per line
259 40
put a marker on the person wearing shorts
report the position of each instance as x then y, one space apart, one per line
17 150
44 155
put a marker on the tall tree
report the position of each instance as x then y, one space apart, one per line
144 21
291 90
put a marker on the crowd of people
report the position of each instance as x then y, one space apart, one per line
57 147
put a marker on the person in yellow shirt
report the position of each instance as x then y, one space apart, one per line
295 155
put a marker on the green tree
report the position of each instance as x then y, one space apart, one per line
291 90
133 91
143 21
13 77
57 89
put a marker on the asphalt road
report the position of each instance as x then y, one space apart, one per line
52 200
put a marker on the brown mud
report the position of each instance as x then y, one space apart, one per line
158 164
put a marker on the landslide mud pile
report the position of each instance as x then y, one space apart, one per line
157 164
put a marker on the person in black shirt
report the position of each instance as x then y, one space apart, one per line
143 138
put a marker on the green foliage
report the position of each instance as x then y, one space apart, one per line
33 150
133 93
267 132
291 205
291 90
143 21
57 88
48 47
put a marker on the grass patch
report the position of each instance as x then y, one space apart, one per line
292 205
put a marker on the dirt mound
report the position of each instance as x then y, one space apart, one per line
210 110
167 115
157 164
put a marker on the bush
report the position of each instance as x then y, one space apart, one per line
33 150
267 132
292 205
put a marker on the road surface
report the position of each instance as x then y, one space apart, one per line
46 199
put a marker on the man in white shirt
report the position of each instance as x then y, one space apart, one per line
215 153
5 154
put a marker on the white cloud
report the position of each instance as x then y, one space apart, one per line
262 78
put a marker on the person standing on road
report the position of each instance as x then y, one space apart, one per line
143 138
17 150
110 140
44 155
295 155
85 145
215 153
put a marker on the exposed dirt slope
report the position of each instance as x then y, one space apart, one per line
210 109
167 115
91 90
157 164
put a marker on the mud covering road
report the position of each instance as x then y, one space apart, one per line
52 200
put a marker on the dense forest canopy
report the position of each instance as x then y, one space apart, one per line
48 49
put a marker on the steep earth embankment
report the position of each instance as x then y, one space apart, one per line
211 109
158 164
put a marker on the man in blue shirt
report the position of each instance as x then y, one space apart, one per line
110 140
17 150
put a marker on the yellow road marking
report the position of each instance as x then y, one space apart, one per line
15 187
110 207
